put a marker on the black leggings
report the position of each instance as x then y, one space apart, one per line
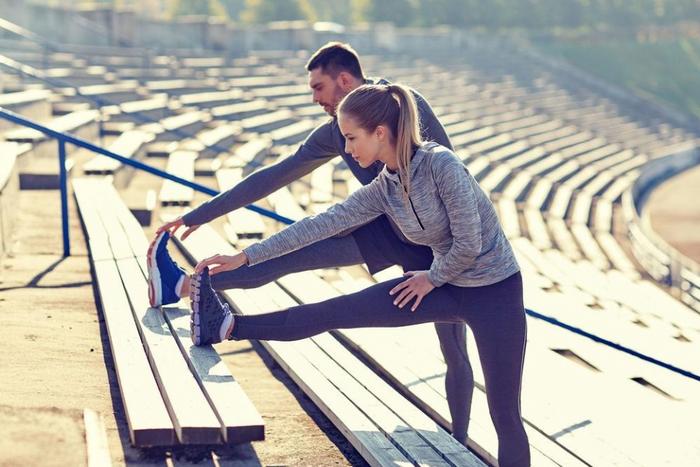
376 245
495 313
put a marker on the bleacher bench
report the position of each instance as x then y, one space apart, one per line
173 392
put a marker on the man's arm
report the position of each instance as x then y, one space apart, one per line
362 206
430 127
316 150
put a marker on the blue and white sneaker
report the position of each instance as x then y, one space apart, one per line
210 318
164 274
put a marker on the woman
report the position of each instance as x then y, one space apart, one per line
426 190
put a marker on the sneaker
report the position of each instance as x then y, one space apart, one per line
210 318
163 273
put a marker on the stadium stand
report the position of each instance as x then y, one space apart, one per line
566 167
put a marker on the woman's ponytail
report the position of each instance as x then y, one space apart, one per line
407 133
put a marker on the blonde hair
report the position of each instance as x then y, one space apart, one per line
393 106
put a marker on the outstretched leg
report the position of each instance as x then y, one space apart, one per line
372 307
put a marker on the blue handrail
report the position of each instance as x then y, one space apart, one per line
64 138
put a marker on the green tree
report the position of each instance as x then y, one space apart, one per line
196 7
262 11
399 12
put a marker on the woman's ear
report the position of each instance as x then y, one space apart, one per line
380 131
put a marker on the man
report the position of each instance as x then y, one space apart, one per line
334 71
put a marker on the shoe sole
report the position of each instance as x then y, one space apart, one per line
155 293
195 320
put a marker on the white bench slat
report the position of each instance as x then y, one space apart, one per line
537 229
64 123
238 416
292 133
243 222
193 418
181 164
322 184
146 414
267 122
615 254
127 144
508 215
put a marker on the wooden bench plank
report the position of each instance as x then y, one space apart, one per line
194 420
360 430
181 164
243 224
241 421
146 414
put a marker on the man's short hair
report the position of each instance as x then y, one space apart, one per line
335 57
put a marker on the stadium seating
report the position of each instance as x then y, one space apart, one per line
558 161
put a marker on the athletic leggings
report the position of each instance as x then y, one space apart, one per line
343 251
495 314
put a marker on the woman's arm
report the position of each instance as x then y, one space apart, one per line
364 205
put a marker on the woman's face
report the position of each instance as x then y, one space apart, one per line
364 146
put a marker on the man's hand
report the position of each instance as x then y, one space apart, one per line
222 262
418 286
173 227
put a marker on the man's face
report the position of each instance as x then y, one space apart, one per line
327 92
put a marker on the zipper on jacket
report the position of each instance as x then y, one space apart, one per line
413 208
415 213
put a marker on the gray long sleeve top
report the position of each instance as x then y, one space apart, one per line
446 210
322 145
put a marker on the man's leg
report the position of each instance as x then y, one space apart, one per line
459 379
329 253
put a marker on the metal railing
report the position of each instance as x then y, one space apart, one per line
63 138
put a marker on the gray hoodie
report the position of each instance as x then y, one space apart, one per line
446 210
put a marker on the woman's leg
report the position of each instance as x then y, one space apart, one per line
372 307
497 318
459 379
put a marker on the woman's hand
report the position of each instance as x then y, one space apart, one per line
418 286
222 262
173 226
